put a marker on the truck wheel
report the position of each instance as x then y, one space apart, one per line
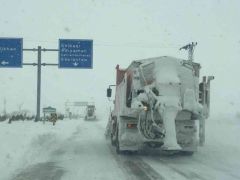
118 148
117 144
113 142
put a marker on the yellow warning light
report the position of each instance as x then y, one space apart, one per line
145 108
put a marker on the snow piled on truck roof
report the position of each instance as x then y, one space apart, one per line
159 58
167 71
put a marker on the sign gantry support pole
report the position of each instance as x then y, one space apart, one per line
39 83
39 65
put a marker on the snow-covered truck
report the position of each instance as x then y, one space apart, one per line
90 112
158 102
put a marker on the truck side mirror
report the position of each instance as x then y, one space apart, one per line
109 92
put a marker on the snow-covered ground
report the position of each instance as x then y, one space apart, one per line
72 148
77 149
25 142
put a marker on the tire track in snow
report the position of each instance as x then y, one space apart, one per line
40 171
48 170
205 171
159 158
217 168
135 167
188 175
143 171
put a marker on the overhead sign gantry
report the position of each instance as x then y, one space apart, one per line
72 53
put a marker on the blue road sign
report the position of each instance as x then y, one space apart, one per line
11 52
75 53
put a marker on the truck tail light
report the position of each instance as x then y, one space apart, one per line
131 125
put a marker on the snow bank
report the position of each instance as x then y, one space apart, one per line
22 141
75 148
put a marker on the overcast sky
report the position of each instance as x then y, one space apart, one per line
122 31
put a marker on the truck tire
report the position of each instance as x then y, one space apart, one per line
187 153
117 144
113 142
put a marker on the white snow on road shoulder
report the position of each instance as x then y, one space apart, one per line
77 146
25 142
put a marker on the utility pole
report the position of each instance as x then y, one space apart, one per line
190 47
4 107
20 107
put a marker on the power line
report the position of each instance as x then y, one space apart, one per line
125 45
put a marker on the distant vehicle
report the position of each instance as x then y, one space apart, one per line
157 103
53 118
90 112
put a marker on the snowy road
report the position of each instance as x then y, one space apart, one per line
77 149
